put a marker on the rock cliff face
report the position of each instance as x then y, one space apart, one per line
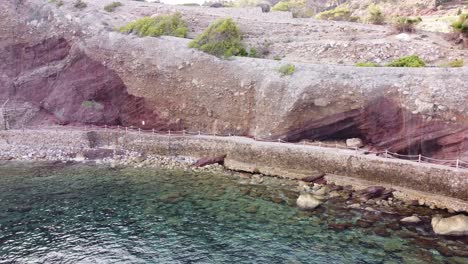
65 65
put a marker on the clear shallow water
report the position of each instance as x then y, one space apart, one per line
88 214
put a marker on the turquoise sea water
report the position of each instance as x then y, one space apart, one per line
90 214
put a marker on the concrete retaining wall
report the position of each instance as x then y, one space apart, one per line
276 159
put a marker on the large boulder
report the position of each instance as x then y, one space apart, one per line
452 226
307 201
210 160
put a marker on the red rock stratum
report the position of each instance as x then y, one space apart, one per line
65 65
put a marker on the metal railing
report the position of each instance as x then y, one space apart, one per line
385 154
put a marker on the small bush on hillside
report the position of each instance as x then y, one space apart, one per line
298 8
245 3
111 7
287 69
453 64
281 6
340 13
221 38
191 4
409 61
406 24
375 15
461 25
366 64
253 53
167 25
80 4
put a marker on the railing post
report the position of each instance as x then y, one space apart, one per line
320 144
386 153
153 130
169 132
139 131
419 158
183 132
458 163
126 130
199 132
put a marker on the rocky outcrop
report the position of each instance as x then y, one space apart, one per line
452 226
67 66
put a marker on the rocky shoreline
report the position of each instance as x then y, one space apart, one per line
312 191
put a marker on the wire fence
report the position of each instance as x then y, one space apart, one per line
386 154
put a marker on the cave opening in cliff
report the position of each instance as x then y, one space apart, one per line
424 148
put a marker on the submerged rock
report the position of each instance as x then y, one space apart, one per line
307 201
411 219
371 193
452 226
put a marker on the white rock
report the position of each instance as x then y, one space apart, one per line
411 219
321 102
354 143
303 187
354 206
307 201
454 226
403 37
321 192
79 157
424 107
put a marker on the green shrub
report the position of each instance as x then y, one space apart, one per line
92 104
406 24
461 25
221 38
287 69
111 7
245 3
340 13
253 53
453 64
87 104
80 4
167 25
298 8
281 6
191 4
375 15
409 61
366 64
